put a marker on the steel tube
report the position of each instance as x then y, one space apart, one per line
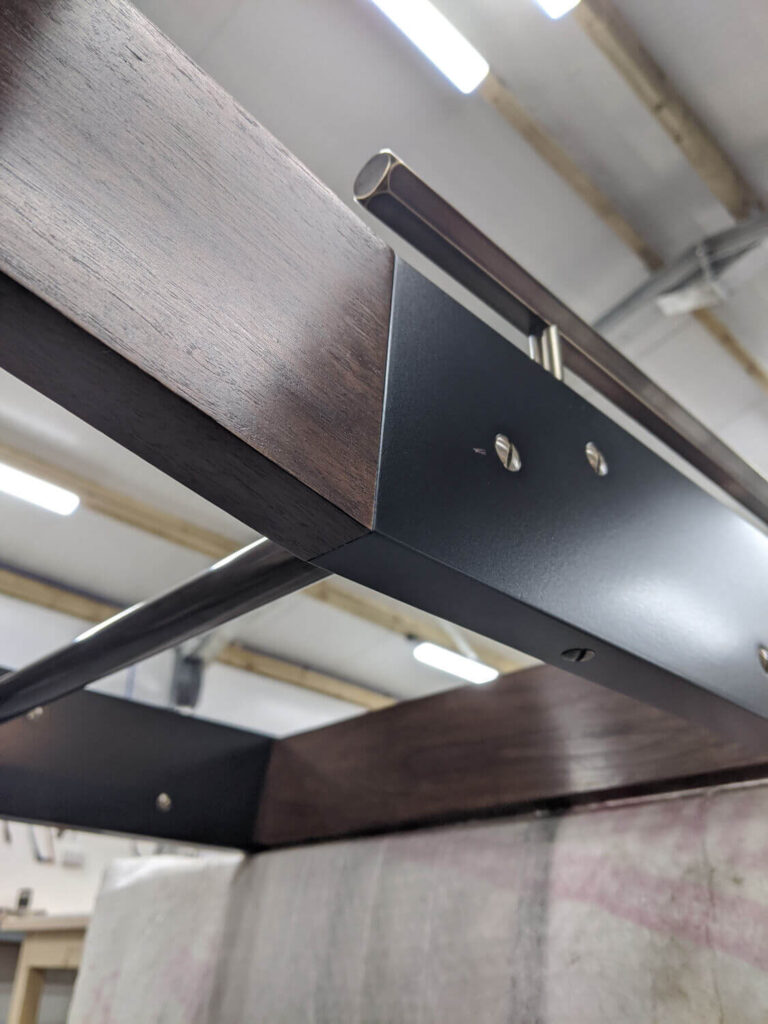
721 250
247 579
400 199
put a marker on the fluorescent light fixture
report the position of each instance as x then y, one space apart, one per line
557 8
38 492
438 40
455 664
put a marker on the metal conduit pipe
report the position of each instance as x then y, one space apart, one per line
247 579
718 250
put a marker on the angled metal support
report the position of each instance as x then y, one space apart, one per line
239 583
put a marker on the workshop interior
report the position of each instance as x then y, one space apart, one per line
383 511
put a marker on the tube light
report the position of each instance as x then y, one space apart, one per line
38 492
557 8
438 40
456 664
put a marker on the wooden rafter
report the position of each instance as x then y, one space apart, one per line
499 96
81 606
608 29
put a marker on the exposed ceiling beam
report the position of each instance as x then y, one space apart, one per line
238 656
412 624
606 27
119 506
81 606
496 93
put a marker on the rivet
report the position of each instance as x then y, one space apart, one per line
163 802
508 455
578 654
762 653
34 714
596 459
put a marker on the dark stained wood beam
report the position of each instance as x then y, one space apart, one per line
541 738
141 202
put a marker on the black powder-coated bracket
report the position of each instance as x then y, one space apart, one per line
626 558
96 762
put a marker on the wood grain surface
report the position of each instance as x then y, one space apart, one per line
141 201
541 738
52 354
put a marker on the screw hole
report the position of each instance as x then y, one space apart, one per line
578 654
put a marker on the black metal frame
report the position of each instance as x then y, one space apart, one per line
96 762
662 582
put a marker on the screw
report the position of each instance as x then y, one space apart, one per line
578 654
508 455
34 714
762 653
596 459
163 802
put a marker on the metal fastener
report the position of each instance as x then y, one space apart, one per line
508 455
34 714
762 653
163 802
578 654
596 459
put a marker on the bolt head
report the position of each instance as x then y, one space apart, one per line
508 455
596 459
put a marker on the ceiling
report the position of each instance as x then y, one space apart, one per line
335 82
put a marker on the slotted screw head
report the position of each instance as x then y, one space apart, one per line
596 459
508 455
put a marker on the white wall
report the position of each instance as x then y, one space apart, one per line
59 889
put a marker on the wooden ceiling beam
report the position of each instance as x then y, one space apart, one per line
609 31
81 606
118 505
498 95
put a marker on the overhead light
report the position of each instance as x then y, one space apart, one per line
456 664
557 8
38 492
438 40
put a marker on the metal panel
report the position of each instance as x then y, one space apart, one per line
391 191
667 586
97 762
